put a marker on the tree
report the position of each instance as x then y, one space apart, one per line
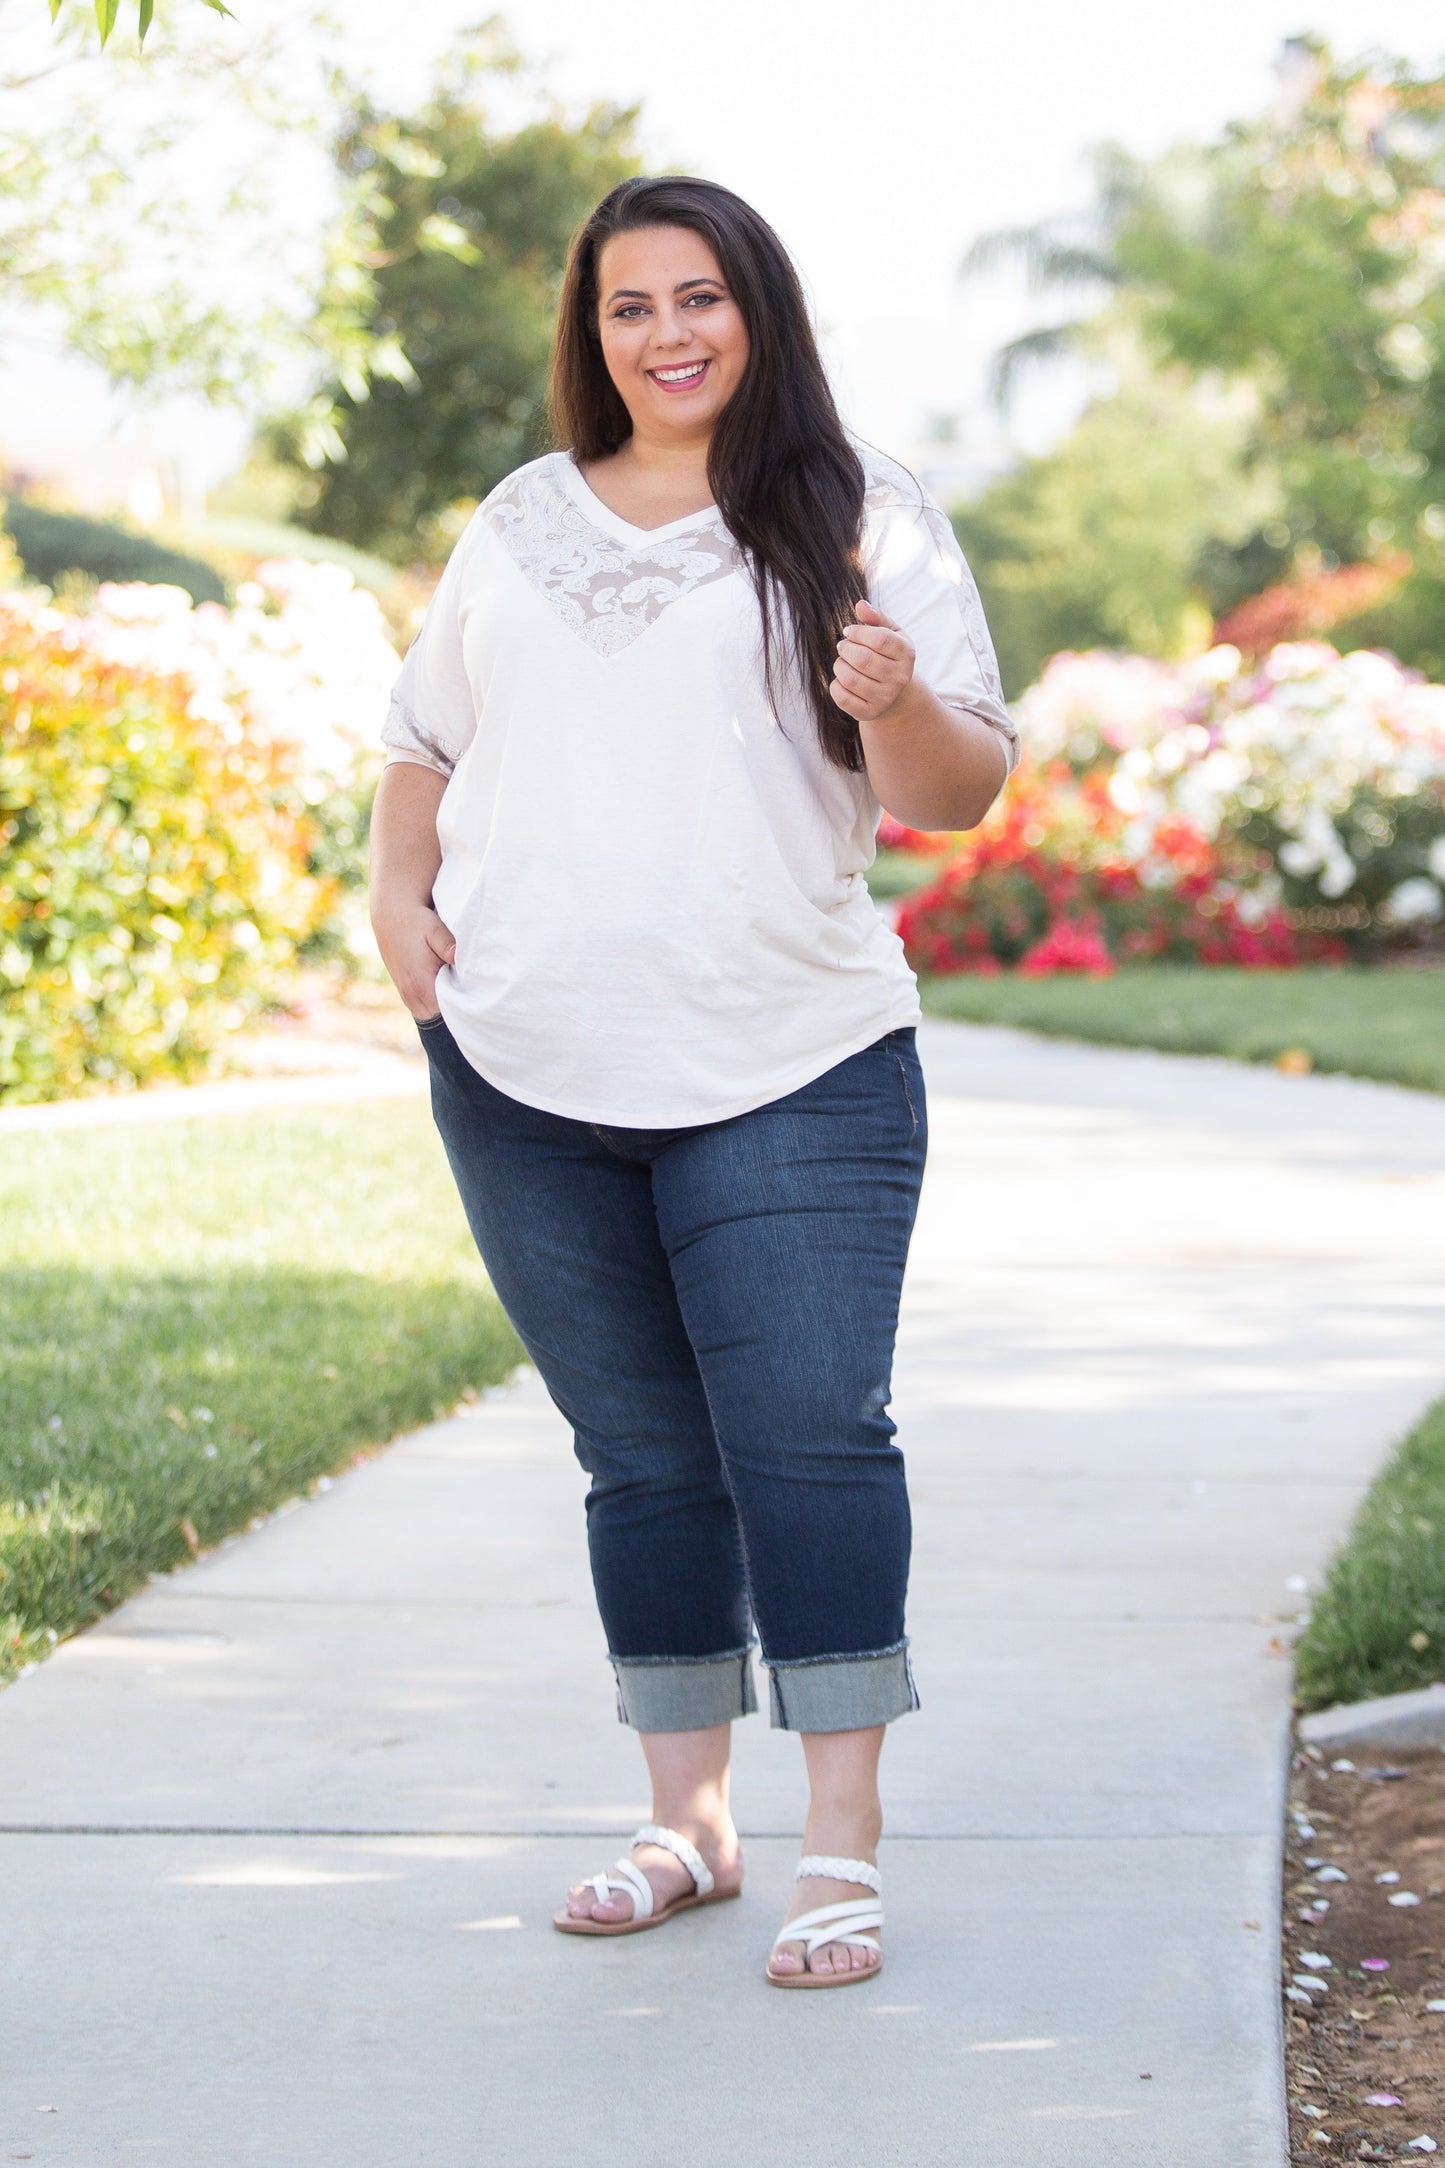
166 215
1302 255
1100 543
107 10
438 310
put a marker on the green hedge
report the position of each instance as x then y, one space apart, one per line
52 543
154 878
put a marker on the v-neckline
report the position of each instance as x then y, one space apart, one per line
602 515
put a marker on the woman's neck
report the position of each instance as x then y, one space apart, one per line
650 481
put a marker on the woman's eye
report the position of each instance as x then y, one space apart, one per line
706 300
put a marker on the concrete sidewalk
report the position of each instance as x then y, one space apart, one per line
282 1836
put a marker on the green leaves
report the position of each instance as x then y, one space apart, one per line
106 12
1294 265
436 312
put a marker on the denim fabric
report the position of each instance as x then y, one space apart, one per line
713 1310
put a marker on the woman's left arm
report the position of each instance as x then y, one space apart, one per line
931 765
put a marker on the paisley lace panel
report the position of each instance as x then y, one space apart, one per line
608 591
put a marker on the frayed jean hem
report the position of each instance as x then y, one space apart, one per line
666 1693
842 1693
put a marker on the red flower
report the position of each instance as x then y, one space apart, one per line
1070 945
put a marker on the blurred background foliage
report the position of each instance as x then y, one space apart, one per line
155 867
1272 307
455 238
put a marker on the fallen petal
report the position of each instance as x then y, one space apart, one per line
1391 1874
1374 1964
1332 1874
1423 2144
1437 2004
1382 2100
1404 1897
1298 1994
1316 1961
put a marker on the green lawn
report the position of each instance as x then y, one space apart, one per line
1388 1024
198 1320
1378 1625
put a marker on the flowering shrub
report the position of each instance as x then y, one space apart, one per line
1305 607
1319 777
153 861
1050 882
304 659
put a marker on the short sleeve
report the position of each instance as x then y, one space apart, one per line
433 716
918 576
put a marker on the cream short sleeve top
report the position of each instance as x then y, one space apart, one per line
654 876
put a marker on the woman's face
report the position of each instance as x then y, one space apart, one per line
673 337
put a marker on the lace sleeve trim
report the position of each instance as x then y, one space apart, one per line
406 737
891 485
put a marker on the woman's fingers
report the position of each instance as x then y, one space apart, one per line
439 939
414 945
874 666
879 640
872 662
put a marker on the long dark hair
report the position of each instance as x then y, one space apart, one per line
781 469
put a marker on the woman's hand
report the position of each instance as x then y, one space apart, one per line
414 945
874 667
405 860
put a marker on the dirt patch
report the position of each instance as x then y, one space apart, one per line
331 1022
1370 2028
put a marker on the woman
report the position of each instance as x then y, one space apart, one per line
636 758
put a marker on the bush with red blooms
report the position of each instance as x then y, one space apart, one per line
927 842
1049 883
1310 605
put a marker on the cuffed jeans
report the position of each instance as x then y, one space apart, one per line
713 1309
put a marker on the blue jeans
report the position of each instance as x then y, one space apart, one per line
713 1310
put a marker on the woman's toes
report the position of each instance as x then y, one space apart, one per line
789 1958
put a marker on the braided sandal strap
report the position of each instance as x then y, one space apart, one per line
673 1841
840 1870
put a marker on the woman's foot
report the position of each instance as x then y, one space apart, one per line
845 1822
791 1957
719 1846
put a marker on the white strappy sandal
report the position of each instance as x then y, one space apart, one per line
628 1880
843 1922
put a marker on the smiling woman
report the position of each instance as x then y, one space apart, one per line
677 1083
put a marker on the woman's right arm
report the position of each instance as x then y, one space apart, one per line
405 858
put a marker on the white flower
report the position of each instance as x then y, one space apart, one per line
303 658
1294 740
1414 902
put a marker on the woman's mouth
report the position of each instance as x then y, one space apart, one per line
680 376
